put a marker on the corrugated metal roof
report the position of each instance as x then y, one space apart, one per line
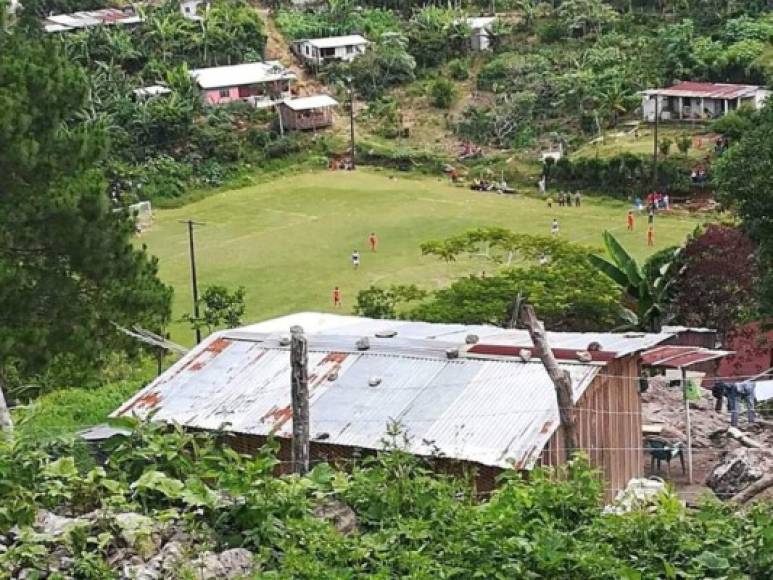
241 74
680 356
493 412
706 90
313 102
620 344
90 18
478 22
338 41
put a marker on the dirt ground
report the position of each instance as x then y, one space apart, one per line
664 405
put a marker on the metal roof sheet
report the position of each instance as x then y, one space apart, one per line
493 412
706 90
619 344
680 356
478 22
241 74
313 102
338 41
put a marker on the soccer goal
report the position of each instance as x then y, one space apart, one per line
142 213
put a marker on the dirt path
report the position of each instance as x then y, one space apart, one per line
278 48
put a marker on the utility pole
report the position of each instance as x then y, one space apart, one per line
194 281
687 423
351 117
655 145
299 362
561 379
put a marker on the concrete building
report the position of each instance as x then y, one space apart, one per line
319 51
692 101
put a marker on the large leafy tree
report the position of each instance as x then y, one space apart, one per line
715 283
68 269
554 276
742 176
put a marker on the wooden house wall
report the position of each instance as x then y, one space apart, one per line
609 425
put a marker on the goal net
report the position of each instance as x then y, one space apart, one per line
142 213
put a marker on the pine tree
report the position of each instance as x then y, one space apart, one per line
68 270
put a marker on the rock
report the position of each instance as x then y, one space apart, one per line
639 494
137 531
739 468
341 515
233 563
52 525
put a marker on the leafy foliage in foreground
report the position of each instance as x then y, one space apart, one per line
410 522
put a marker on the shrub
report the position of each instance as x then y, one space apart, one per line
458 69
443 93
684 144
665 146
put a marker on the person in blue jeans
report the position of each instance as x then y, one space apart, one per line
736 392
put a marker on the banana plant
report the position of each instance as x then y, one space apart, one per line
648 297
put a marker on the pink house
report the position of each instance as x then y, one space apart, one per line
260 83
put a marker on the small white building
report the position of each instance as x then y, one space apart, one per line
695 101
318 51
482 30
193 9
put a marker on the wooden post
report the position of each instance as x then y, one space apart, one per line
6 423
688 424
561 379
299 361
655 145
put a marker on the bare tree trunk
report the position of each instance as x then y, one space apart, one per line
6 423
754 489
561 379
299 361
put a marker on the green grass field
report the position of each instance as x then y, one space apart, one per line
288 241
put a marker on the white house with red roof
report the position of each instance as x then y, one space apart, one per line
694 101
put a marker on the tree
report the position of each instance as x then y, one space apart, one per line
68 270
683 144
544 265
443 93
218 307
716 282
375 302
386 63
646 297
742 177
586 16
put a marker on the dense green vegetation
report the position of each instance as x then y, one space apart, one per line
410 523
68 270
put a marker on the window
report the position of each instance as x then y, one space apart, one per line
349 49
225 93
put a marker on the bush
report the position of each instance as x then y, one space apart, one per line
458 69
665 146
550 32
684 144
443 93
621 175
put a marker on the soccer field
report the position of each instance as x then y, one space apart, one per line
289 241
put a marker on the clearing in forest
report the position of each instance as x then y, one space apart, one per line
289 241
